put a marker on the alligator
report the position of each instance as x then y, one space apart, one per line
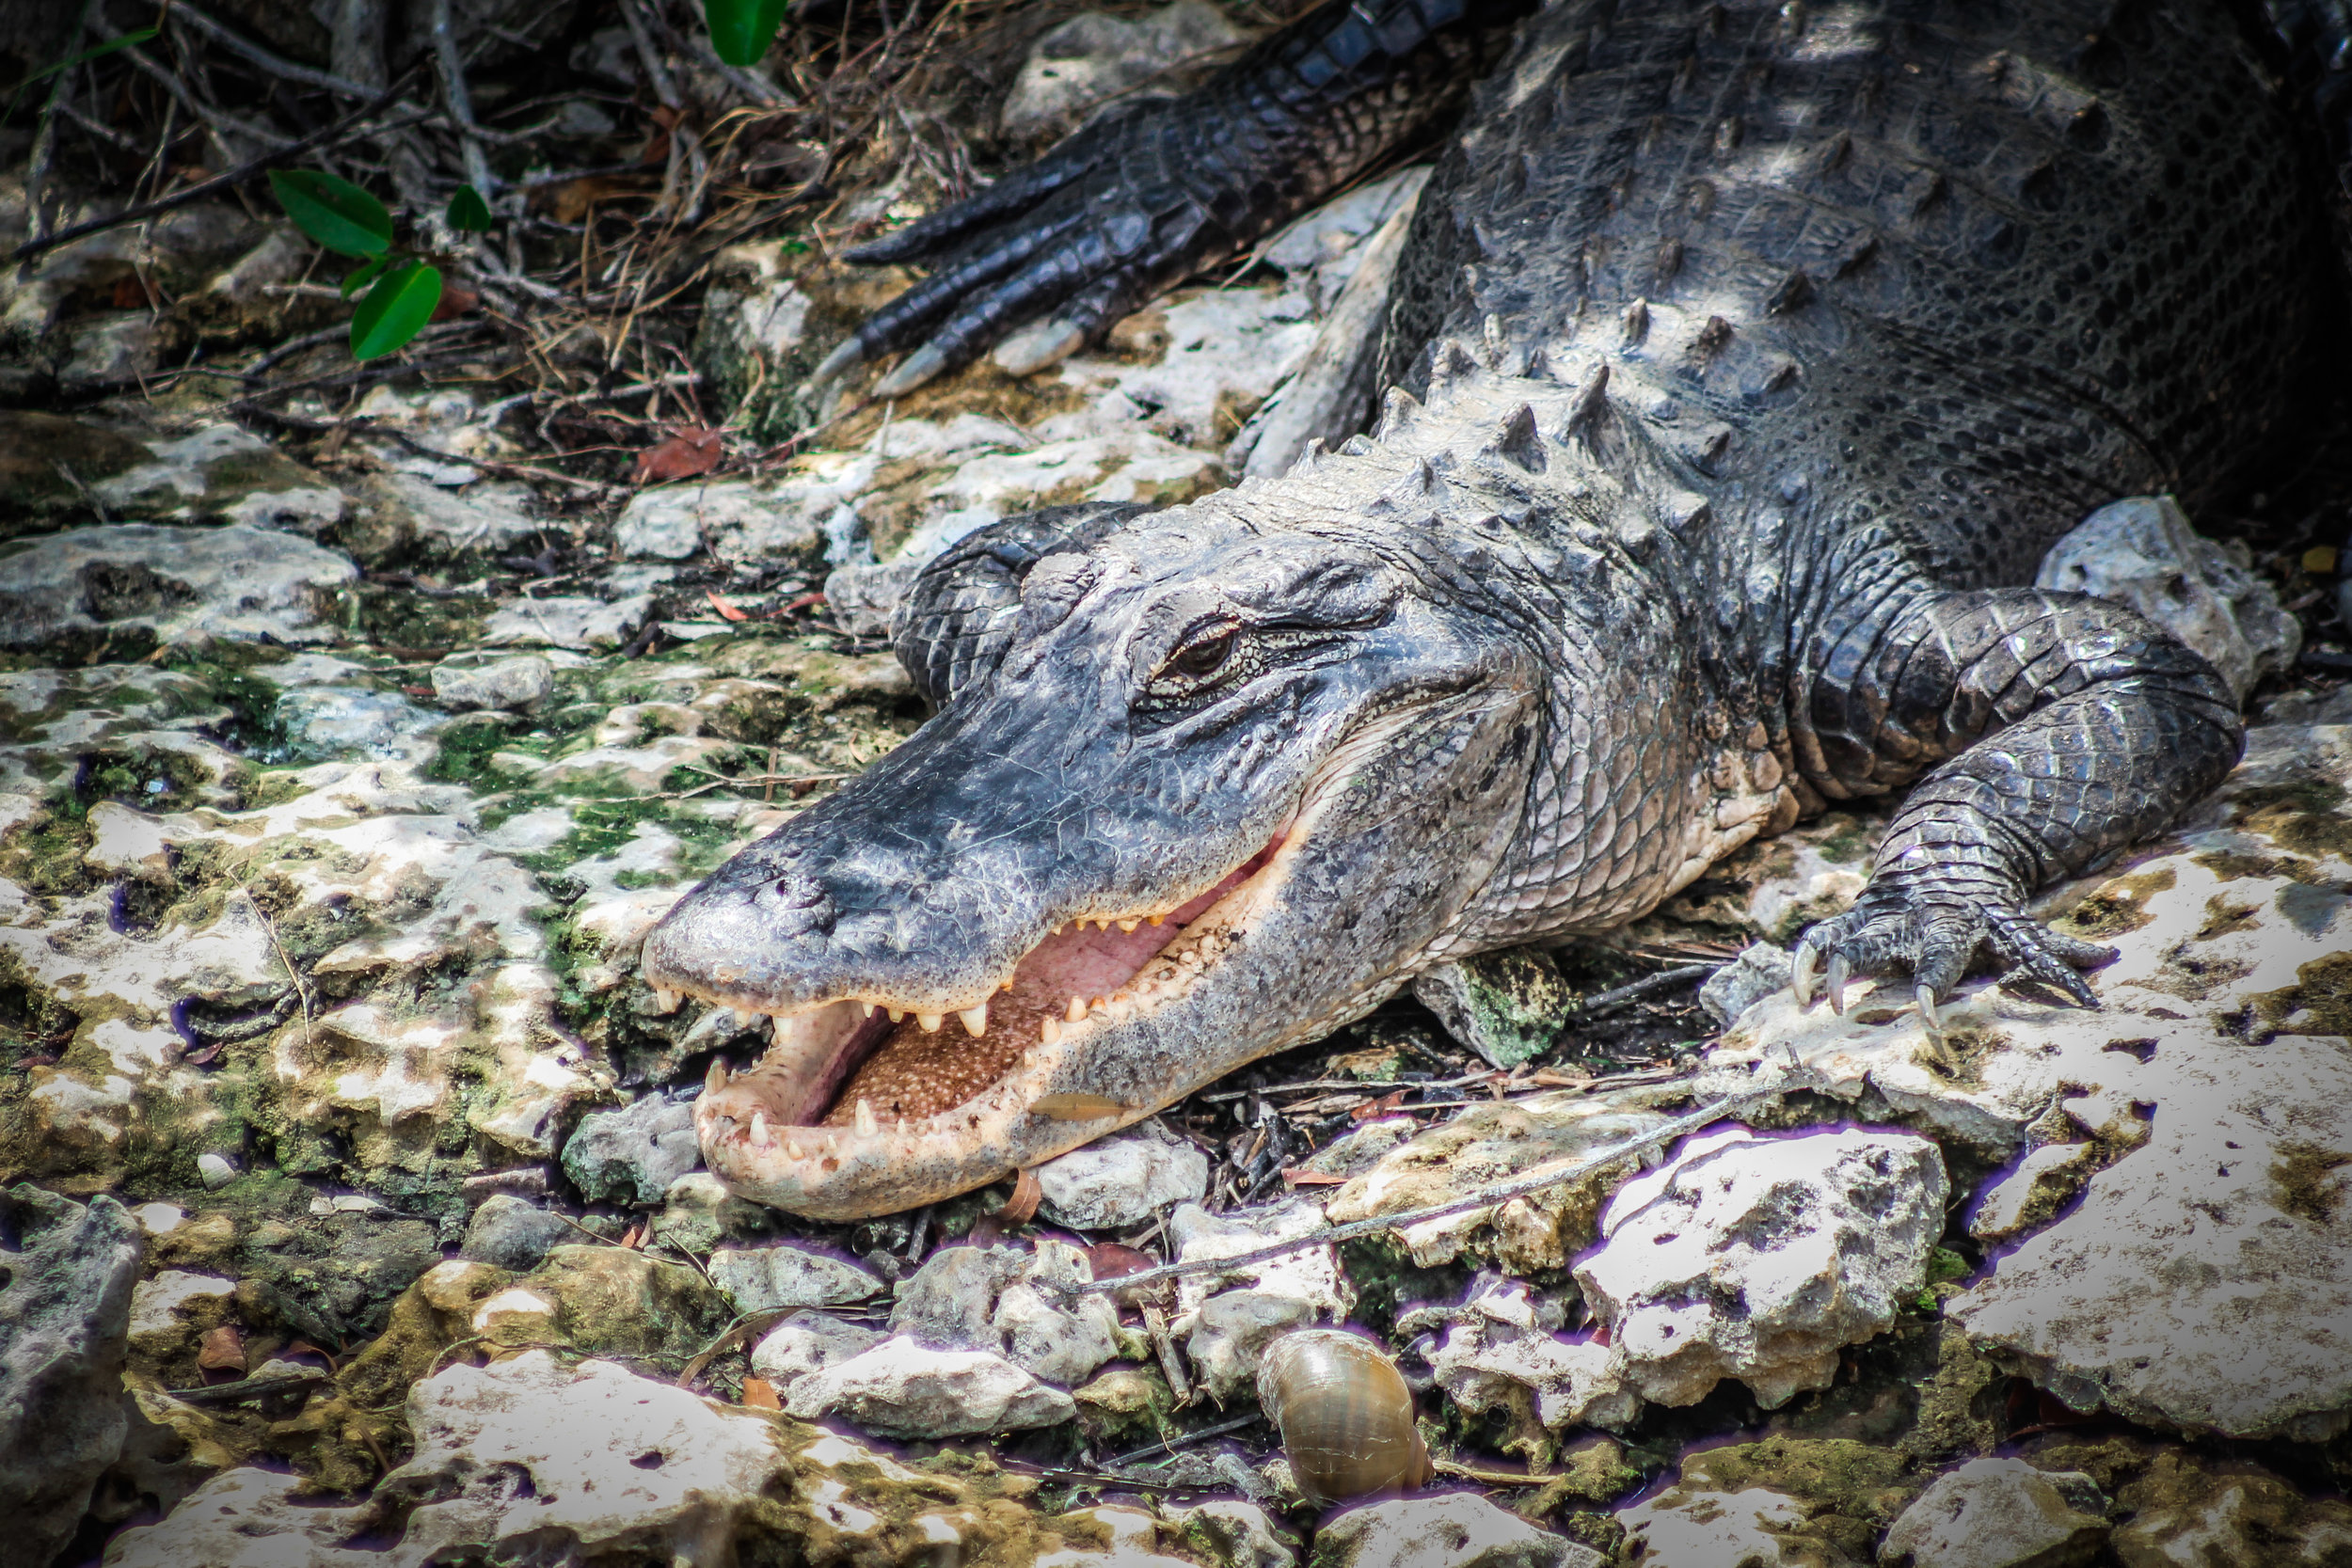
1747 356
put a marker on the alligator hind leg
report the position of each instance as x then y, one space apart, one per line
2058 729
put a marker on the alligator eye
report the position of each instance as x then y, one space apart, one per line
1204 658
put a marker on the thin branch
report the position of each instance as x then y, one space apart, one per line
460 104
340 131
1782 1076
276 65
45 134
1665 979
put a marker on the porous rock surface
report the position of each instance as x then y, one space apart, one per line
1457 1531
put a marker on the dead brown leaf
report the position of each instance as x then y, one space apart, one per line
725 609
690 450
221 1350
760 1394
1027 1192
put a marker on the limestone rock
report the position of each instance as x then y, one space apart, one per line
1231 1533
2000 1513
1491 1144
614 1301
862 598
2187 1509
66 1272
567 621
983 1298
1457 1531
2233 933
1308 1274
904 1388
596 1458
766 1279
1123 1180
676 521
632 1154
1503 1350
809 1341
1804 1503
1093 58
510 1232
326 721
1506 1006
463 681
2142 552
1757 1527
239 1516
1762 1259
1760 970
179 584
1229 1332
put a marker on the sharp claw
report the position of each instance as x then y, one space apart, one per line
1930 1013
846 357
915 370
1033 348
2076 987
1839 970
1801 972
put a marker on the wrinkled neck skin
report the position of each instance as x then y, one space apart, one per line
1248 766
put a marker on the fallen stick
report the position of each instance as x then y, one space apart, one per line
1781 1075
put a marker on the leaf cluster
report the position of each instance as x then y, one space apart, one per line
403 291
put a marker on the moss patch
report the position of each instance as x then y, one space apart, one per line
2319 1002
2308 817
2305 1176
2118 905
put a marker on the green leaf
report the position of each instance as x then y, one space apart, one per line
467 211
741 30
336 212
364 273
395 309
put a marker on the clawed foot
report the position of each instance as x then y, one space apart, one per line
1888 931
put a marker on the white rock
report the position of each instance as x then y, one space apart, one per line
904 1388
1093 58
1122 1180
1760 970
809 1341
216 1170
1228 1335
480 515
1679 1529
567 621
983 1298
2001 1514
1309 1274
1761 1258
2189 1286
179 583
2142 552
631 1155
2044 1177
1457 1531
465 682
1234 1534
323 722
160 1304
764 1278
248 1518
733 515
1500 1343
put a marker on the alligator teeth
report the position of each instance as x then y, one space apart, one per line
930 1022
1156 919
1049 1031
866 1124
975 1019
897 1015
759 1129
717 1078
665 1001
866 1009
1129 924
1076 1010
745 1017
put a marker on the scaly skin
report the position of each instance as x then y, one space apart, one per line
1765 351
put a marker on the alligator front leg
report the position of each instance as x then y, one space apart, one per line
2072 728
1137 201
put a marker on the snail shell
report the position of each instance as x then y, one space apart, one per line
1344 1412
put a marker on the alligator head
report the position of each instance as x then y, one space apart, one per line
1243 768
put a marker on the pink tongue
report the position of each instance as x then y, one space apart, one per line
1090 963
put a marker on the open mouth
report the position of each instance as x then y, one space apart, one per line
872 1063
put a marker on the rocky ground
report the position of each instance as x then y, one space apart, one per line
350 1209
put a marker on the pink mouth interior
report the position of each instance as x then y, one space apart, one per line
904 1070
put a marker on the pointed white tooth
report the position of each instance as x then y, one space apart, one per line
665 1001
1129 924
866 1124
930 1022
1156 919
745 1018
717 1078
1006 986
1049 1031
1076 1010
975 1019
759 1129
897 1015
866 1009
